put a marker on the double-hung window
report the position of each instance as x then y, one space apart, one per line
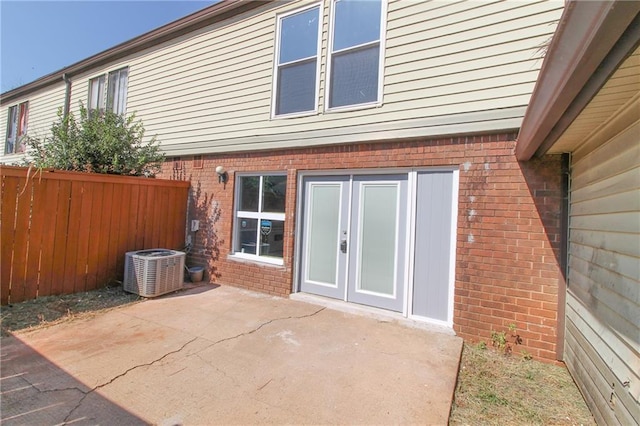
116 92
297 63
17 120
355 53
259 217
96 93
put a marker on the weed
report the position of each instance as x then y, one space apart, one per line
504 342
482 345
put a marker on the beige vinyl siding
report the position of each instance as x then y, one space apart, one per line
449 68
43 109
79 93
603 301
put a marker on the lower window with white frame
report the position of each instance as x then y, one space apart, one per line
259 217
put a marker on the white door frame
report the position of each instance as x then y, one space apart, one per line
410 241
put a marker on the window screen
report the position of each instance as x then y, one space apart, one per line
297 62
355 53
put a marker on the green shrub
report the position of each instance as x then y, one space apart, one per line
100 142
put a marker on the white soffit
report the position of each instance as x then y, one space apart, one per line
614 98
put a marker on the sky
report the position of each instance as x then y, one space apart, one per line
40 37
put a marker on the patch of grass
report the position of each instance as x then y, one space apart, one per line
495 389
48 310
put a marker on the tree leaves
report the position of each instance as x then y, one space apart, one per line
100 142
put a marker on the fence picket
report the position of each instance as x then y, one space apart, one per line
84 235
47 248
58 284
7 219
36 234
96 236
21 240
124 226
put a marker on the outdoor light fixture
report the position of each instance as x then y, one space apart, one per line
222 175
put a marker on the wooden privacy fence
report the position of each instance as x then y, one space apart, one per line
67 232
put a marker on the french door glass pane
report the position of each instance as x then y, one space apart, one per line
378 217
354 77
323 233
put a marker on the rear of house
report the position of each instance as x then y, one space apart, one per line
365 151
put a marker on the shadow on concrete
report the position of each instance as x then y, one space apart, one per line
190 289
34 391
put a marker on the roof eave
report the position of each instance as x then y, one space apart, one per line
579 53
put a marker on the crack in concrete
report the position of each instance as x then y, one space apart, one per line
221 371
35 386
135 367
264 324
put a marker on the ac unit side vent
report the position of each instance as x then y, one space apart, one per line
151 273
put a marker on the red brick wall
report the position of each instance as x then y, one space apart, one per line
507 238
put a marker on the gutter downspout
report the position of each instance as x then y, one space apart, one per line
564 255
67 95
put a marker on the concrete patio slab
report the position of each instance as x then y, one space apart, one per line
221 355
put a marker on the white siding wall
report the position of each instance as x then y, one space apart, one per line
603 301
43 109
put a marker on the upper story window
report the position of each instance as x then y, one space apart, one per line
297 62
18 117
355 60
96 93
259 217
116 92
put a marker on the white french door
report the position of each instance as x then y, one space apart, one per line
354 238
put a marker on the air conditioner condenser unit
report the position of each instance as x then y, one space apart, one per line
151 273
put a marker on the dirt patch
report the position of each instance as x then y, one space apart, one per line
49 310
498 389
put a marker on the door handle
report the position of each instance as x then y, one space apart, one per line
343 242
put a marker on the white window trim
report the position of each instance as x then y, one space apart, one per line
276 64
254 215
381 59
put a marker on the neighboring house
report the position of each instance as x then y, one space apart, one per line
587 103
368 147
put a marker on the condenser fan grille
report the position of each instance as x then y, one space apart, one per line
151 273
